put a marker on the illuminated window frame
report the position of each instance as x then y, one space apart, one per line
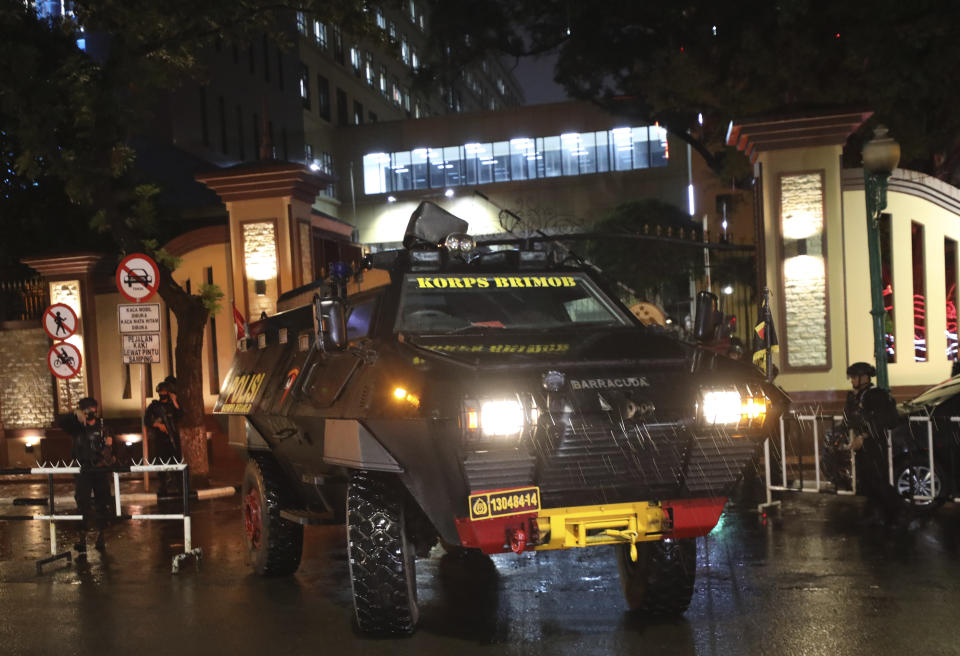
600 150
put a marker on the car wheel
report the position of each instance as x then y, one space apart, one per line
274 544
381 558
913 477
660 582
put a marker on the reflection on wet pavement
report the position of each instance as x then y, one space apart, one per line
810 579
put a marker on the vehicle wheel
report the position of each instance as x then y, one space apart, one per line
661 581
382 560
273 543
912 476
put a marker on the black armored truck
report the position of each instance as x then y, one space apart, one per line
493 399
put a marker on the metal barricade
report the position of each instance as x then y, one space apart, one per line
52 517
814 420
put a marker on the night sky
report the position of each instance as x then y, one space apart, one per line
536 77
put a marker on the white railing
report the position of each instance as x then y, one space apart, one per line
51 516
815 421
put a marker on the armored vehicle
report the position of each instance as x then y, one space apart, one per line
496 400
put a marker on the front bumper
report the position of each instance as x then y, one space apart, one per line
588 526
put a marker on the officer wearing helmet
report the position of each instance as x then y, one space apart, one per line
163 419
869 412
92 448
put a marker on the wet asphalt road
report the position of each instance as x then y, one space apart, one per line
809 580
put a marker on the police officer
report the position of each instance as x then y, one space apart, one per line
163 427
92 447
868 413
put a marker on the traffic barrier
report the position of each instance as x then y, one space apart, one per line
52 517
924 490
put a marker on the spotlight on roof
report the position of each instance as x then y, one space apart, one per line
448 193
391 199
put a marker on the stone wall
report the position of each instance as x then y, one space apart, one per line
804 271
26 393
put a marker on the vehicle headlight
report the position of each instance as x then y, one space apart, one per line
732 407
499 418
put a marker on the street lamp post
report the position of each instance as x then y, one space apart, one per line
880 156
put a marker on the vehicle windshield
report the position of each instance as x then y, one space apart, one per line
452 303
938 394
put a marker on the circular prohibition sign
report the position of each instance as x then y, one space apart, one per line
64 360
59 321
138 277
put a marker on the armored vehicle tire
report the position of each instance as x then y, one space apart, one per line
661 581
273 543
381 558
912 476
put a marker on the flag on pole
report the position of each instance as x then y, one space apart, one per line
764 334
239 323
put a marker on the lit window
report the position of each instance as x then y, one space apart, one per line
405 51
413 11
395 91
302 23
368 70
383 80
392 31
414 59
381 21
305 86
521 158
355 60
320 34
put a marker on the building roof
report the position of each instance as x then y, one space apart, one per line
794 130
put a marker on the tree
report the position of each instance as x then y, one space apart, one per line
674 62
69 119
658 270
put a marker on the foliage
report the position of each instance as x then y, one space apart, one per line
69 117
210 296
658 270
727 59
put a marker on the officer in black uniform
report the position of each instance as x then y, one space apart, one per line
869 412
163 427
92 447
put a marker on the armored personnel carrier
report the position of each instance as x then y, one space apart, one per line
493 399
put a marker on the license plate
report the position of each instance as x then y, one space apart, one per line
503 503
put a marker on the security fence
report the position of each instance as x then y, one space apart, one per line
821 440
52 517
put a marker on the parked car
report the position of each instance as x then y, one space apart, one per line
911 465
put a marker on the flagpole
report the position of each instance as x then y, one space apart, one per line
768 323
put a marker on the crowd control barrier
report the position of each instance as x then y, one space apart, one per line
51 515
812 427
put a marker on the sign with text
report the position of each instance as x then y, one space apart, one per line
138 277
141 348
138 318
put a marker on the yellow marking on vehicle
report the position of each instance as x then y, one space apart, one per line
588 526
504 503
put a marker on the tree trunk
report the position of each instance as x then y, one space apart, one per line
191 318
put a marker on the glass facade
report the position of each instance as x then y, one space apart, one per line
573 153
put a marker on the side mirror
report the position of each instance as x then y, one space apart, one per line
329 323
707 317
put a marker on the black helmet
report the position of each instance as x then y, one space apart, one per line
164 386
87 402
861 369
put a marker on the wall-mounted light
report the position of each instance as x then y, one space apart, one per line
728 290
448 193
260 287
391 199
